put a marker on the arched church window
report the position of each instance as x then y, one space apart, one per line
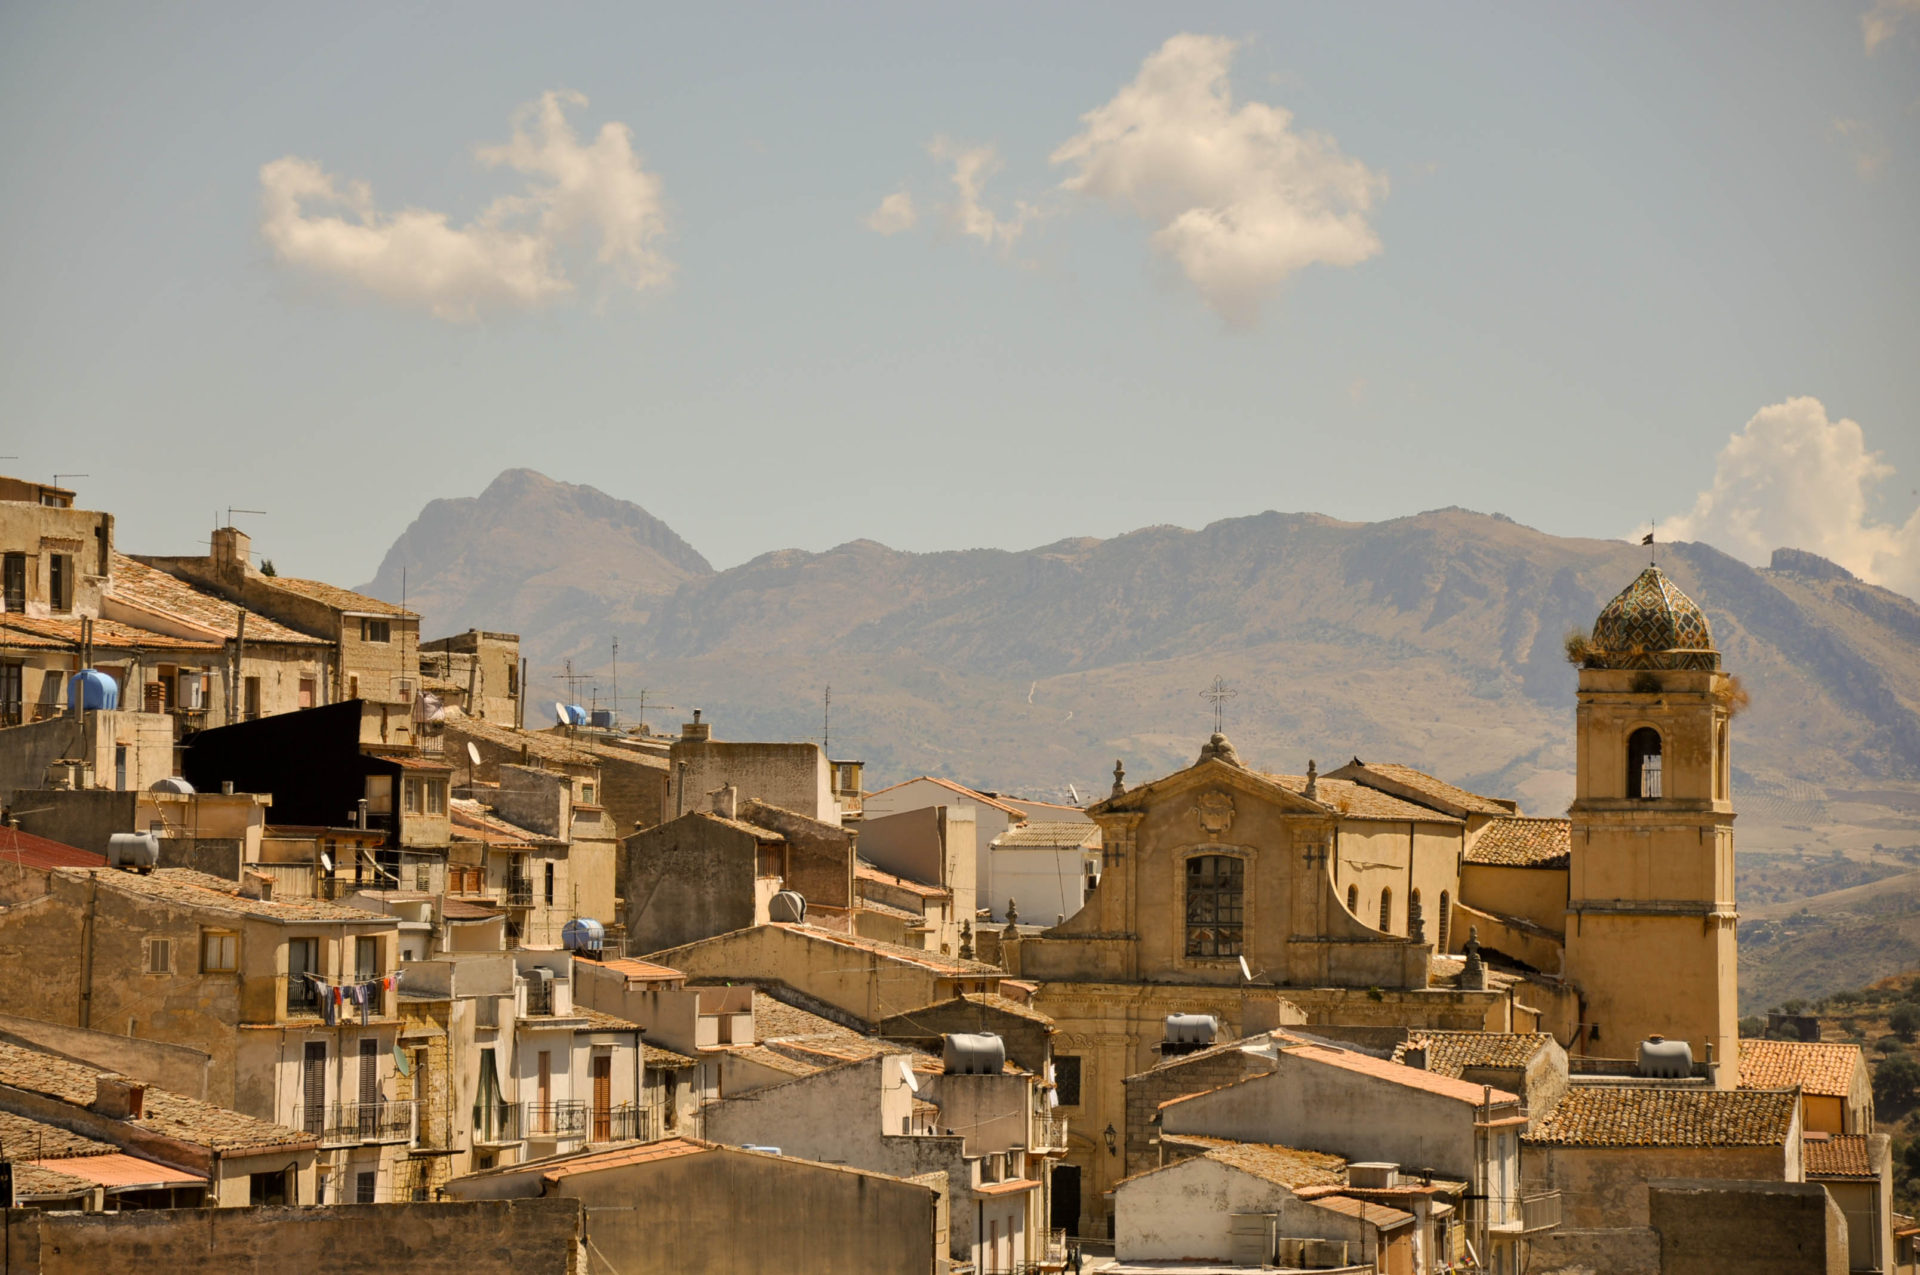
1215 884
1416 919
1386 910
1353 899
1643 764
1446 920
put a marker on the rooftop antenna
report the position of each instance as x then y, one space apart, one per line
1218 694
58 477
826 718
616 681
231 510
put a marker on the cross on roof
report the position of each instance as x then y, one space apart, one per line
1218 694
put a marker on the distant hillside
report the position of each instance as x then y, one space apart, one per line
1433 640
535 556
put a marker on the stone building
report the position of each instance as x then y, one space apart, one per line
793 776
478 671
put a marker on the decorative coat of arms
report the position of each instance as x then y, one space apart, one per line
1215 812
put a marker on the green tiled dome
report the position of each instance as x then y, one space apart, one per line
1652 625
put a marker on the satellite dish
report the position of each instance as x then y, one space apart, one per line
1245 972
560 713
473 754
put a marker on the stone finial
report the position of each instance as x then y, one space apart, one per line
966 940
1013 912
1474 976
1312 790
1220 748
1119 778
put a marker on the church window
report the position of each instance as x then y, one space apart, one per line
1353 899
1643 764
1386 910
1446 919
1214 902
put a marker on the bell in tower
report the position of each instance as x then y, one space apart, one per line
1651 938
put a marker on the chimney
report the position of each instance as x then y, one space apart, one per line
256 885
226 787
725 801
232 548
696 730
118 1098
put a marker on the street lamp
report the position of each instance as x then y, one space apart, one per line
1112 1139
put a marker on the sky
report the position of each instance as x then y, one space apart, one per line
983 275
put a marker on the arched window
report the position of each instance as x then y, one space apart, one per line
1416 919
1446 921
1214 902
1643 764
1386 910
1353 899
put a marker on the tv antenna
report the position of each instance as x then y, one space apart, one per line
616 681
826 717
231 511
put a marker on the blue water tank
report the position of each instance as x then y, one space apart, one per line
583 934
91 689
576 715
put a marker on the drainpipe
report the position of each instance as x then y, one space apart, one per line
86 950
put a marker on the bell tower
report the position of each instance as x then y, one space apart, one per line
1651 940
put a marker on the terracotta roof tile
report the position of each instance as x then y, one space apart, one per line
1357 801
948 965
618 1157
969 793
888 910
29 851
1050 834
111 635
537 743
1518 841
774 1019
192 889
169 1114
333 595
599 1021
1825 1069
1836 1155
1380 1215
119 1170
35 1181
864 871
643 971
740 825
1439 789
473 821
25 1139
1633 1116
1450 1053
1286 1166
1398 1073
661 1058
780 1060
151 589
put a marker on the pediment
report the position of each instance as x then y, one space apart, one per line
1210 773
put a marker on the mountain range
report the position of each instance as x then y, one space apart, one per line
1434 640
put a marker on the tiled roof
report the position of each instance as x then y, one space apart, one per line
661 1058
467 910
864 871
774 1019
29 851
1380 1215
1631 1116
985 1000
1398 1073
151 589
538 744
597 1021
107 634
117 1170
1286 1166
24 1139
969 793
770 1058
1652 624
13 638
604 751
168 1114
1450 1053
1357 801
35 1181
740 825
333 595
947 965
192 889
619 1157
1836 1155
1825 1069
1518 841
643 971
1050 834
1439 789
475 822
888 910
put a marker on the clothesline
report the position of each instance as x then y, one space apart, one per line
364 995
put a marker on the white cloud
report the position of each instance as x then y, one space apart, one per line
1862 143
972 166
511 254
1795 479
1878 24
1239 199
895 214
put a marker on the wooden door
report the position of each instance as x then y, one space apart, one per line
602 1097
314 1081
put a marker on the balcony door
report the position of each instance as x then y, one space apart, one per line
369 1087
314 1086
602 1097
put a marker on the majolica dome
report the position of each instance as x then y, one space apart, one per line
1652 625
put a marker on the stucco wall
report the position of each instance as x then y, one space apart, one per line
1779 1228
687 879
1186 1211
1532 894
511 1237
1602 1187
792 776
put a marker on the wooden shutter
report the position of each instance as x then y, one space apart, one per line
315 1084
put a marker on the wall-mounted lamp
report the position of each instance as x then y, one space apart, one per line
1112 1139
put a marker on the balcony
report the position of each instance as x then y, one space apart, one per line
551 1121
302 996
1049 1135
353 1124
187 720
500 1124
1539 1212
519 892
626 1123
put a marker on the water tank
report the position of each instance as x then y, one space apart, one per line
136 851
576 715
172 783
1665 1059
1373 1175
1193 1031
91 689
788 905
973 1054
601 717
583 934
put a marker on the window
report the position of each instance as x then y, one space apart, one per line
60 582
549 885
412 790
379 794
252 690
159 956
13 579
366 957
363 1188
375 630
1066 1079
353 686
436 796
219 952
1446 920
267 1188
12 693
309 692
1643 764
1386 910
513 679
119 767
586 794
1213 905
303 958
1353 899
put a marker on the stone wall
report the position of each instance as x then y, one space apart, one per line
512 1237
1756 1228
1147 1090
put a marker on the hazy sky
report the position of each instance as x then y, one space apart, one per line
992 275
